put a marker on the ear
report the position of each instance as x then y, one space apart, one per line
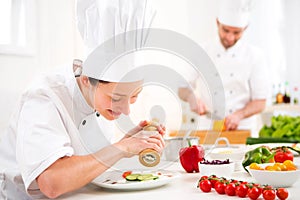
85 81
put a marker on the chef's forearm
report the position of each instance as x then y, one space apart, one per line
252 108
71 173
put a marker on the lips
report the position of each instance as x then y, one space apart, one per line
115 114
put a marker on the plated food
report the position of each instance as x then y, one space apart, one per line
135 180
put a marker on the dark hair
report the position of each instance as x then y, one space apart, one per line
94 81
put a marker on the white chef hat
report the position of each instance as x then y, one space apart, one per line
234 13
109 28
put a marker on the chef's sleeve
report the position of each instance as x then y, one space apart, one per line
42 138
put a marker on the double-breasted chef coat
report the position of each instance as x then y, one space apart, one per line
243 72
52 120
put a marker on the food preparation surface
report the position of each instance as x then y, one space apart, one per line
209 137
184 187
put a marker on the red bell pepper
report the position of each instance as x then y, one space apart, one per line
190 157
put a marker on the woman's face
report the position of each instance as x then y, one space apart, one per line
113 99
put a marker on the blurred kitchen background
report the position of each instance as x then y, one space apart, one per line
40 35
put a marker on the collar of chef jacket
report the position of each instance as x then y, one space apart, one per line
95 131
232 51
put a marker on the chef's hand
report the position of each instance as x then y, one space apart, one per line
161 128
133 143
196 105
232 121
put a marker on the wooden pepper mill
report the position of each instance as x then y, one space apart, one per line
149 157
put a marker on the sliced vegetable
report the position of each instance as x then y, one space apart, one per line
126 173
141 177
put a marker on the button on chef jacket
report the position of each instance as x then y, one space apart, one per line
242 69
45 127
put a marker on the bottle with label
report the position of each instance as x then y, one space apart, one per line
149 157
279 96
286 96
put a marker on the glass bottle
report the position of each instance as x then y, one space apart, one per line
296 96
286 96
279 96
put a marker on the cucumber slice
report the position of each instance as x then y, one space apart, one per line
147 177
141 177
132 177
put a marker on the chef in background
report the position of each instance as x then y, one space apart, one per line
241 66
45 150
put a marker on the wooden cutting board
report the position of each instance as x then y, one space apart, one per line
209 136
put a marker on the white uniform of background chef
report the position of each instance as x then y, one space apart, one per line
241 66
44 151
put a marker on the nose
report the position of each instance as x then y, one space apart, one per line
230 37
125 108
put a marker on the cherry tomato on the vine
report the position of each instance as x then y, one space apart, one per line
241 190
205 185
282 193
254 193
213 179
269 194
230 189
220 187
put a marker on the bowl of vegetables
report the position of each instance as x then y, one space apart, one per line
276 174
221 168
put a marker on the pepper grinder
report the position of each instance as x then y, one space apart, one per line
149 157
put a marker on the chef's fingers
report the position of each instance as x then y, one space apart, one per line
230 124
137 129
161 129
155 144
158 139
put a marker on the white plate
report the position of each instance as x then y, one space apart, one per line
114 180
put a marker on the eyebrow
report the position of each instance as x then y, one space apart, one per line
124 95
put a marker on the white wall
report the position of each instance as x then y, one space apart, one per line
58 41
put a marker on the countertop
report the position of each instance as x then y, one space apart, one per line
184 187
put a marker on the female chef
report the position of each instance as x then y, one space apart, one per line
44 151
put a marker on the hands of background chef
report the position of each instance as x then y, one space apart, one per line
196 105
132 145
232 121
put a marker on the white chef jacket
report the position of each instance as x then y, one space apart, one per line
243 72
45 127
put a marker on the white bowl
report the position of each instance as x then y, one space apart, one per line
221 170
231 153
234 154
275 178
